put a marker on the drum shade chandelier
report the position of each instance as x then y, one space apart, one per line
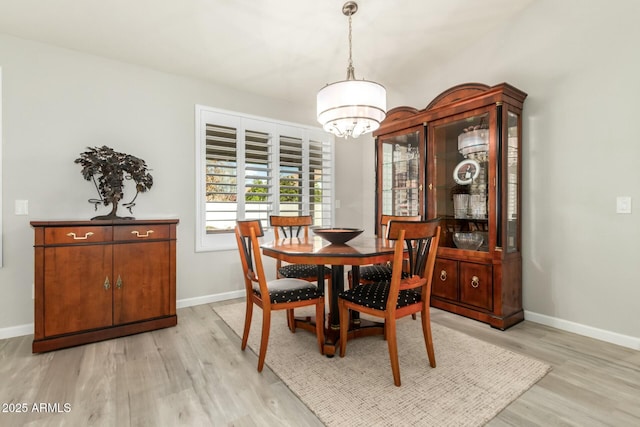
351 107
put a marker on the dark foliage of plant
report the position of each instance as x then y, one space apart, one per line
111 169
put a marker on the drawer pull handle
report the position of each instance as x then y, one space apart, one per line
119 282
443 275
137 233
106 285
475 281
85 237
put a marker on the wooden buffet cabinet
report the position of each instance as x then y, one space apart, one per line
459 159
96 280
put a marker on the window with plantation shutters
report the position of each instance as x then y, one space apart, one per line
258 198
321 191
291 176
250 168
221 174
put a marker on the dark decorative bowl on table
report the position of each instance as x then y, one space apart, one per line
470 241
337 236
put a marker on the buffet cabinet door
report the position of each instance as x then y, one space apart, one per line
476 286
445 280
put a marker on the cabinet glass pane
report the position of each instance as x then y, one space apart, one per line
460 182
400 175
512 182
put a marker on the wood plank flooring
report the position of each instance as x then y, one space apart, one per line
195 374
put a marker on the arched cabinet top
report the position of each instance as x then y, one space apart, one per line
457 93
463 96
400 113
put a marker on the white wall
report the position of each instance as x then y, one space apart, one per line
579 63
56 103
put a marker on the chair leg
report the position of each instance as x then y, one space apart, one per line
266 326
320 324
343 311
393 349
291 320
428 338
247 323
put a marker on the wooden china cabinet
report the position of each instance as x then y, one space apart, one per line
468 145
102 279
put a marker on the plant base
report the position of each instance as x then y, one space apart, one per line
111 217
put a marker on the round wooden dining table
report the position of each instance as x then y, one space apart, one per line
362 250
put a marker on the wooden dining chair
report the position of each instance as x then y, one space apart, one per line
380 272
290 227
399 297
278 294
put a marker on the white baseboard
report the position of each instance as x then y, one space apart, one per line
16 331
20 330
206 299
587 331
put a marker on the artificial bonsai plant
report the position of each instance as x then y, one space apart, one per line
112 169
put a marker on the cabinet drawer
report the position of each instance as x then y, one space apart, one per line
445 279
141 232
476 285
76 235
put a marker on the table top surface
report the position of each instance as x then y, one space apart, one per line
315 250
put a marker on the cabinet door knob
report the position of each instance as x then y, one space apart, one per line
85 237
443 275
137 233
107 285
475 281
119 282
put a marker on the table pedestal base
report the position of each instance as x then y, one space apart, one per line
359 328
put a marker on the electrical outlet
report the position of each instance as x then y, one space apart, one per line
623 205
22 207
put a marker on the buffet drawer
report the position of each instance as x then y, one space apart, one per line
142 232
77 235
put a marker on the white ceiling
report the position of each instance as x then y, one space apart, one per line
284 49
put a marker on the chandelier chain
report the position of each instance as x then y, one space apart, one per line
350 68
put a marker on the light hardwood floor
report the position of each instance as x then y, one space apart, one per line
195 374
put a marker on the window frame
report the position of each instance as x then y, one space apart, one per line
225 240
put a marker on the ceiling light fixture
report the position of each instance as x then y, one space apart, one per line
351 107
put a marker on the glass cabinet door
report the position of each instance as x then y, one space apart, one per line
513 156
459 181
400 176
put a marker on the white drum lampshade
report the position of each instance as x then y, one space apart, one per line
351 107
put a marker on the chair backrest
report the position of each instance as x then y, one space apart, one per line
420 239
290 226
247 233
384 221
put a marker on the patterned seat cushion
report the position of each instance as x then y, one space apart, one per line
301 270
289 290
375 296
377 273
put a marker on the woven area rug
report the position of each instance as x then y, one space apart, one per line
472 383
